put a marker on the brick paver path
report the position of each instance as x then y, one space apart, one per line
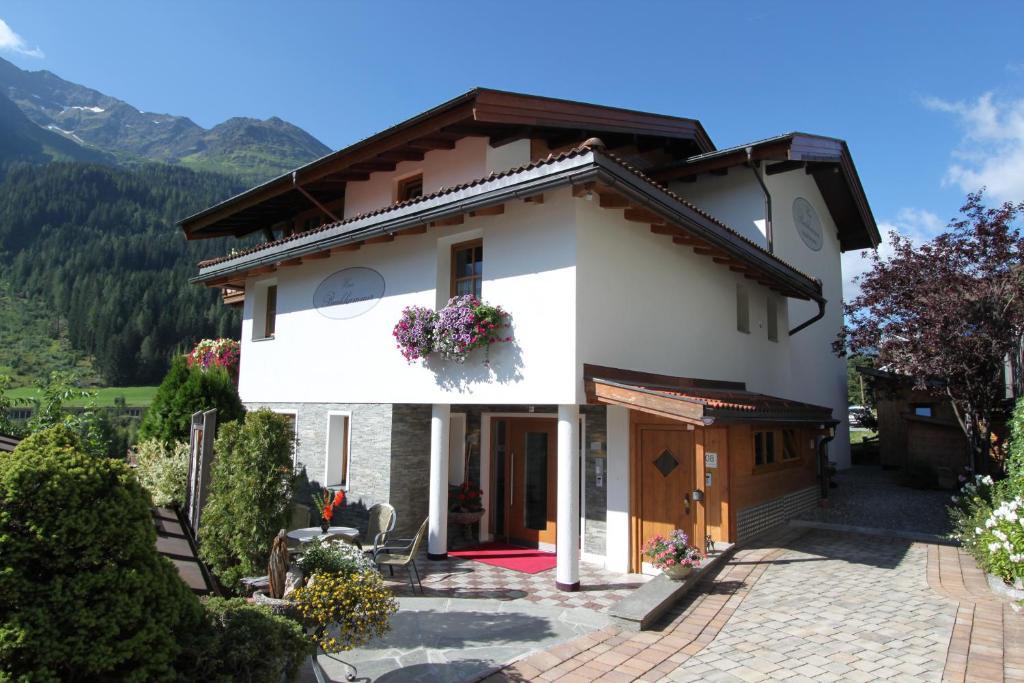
809 605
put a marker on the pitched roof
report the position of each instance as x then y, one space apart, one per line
695 401
501 116
575 166
826 159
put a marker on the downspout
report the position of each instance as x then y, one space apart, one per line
815 318
823 457
768 234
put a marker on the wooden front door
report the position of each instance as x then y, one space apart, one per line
531 476
663 472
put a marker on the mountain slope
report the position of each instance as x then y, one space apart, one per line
22 140
98 248
252 149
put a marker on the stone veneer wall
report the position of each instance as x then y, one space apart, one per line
409 466
596 512
760 518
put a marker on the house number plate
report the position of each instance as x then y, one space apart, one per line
711 460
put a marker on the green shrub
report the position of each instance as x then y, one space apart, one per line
83 593
244 642
185 391
250 495
163 471
335 557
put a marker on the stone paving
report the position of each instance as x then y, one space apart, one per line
462 578
811 606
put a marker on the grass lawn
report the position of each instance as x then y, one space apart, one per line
859 435
135 397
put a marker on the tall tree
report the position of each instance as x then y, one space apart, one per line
948 313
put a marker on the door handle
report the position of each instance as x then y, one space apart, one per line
686 503
512 479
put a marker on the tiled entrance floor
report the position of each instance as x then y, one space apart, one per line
462 578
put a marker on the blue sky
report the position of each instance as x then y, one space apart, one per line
929 96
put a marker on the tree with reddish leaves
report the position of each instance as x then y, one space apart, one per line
948 314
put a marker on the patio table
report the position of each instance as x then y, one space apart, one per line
312 533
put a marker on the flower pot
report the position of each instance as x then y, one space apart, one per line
324 526
465 517
677 572
1014 591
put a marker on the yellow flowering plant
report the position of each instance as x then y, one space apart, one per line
345 609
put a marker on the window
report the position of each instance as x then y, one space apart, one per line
789 442
923 409
467 268
409 188
337 462
764 448
271 312
773 319
742 310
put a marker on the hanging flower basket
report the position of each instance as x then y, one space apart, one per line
215 353
462 326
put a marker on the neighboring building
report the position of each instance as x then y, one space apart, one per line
673 309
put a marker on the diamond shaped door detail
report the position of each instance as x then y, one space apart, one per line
666 463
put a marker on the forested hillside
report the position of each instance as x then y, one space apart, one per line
99 246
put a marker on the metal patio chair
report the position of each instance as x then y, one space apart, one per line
401 552
380 524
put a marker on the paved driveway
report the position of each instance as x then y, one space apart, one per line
812 605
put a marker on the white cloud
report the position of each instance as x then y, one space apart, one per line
918 225
12 42
991 153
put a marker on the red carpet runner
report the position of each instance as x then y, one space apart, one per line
526 560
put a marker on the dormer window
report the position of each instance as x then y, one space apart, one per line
467 268
410 188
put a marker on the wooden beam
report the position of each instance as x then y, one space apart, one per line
402 155
453 220
380 239
583 189
639 215
782 167
611 200
510 136
291 262
352 246
318 255
415 230
429 143
686 240
534 199
261 270
496 210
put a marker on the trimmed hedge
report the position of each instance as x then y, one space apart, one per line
250 495
83 593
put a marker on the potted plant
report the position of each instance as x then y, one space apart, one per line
325 506
674 556
465 503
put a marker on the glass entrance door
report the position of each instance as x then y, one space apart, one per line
531 477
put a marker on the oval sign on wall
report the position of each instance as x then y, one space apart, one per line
808 225
349 293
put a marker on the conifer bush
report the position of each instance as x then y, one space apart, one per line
250 495
185 391
163 471
83 593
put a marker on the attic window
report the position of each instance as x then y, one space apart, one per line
410 188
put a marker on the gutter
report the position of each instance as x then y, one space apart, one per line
823 457
768 232
813 319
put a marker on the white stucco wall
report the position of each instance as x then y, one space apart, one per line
816 375
472 158
648 304
529 269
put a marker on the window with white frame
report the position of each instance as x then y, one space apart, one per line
742 309
337 460
264 311
773 319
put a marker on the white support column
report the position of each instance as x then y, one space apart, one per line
617 529
567 546
437 527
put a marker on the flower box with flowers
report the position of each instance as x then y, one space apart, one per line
674 555
462 326
216 353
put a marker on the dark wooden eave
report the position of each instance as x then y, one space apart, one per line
826 159
500 116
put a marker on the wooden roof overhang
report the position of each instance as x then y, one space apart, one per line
696 402
591 172
500 116
826 159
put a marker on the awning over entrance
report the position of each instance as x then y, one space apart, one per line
694 401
